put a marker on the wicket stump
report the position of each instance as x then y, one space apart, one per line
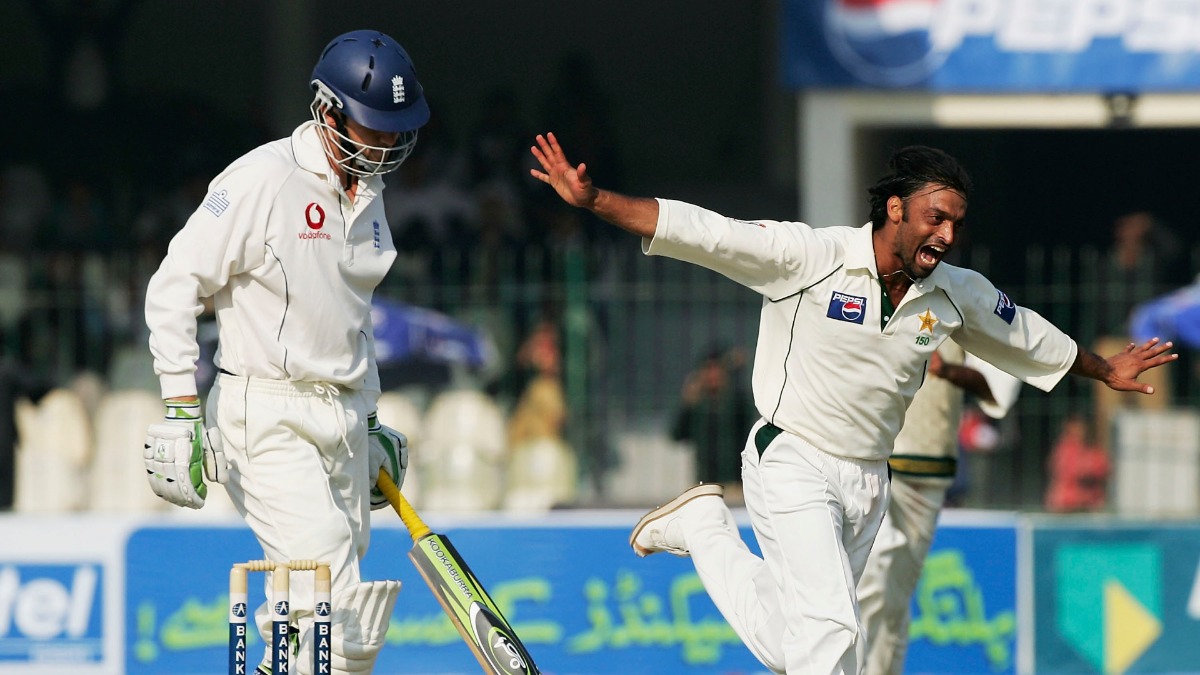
280 613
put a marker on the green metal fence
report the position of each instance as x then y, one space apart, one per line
631 330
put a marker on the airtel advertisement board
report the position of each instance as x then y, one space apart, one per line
1107 46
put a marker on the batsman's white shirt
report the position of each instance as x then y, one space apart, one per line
291 265
831 367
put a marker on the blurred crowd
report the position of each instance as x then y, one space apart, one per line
479 242
86 216
86 221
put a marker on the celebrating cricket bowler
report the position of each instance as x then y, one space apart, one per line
851 317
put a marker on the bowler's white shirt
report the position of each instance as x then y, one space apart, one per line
829 367
291 265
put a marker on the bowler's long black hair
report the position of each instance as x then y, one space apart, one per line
911 168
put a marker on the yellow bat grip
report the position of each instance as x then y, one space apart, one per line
416 527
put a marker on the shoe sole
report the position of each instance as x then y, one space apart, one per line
702 490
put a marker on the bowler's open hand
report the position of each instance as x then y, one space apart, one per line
570 182
1135 360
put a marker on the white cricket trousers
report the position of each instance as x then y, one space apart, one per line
815 516
298 475
894 568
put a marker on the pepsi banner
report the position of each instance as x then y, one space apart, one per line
1121 46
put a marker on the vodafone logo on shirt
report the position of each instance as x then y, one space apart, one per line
314 215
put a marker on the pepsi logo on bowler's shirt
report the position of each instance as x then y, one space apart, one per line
845 307
1005 308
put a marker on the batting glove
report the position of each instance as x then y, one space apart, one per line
180 453
389 450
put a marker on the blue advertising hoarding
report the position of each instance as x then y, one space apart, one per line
51 613
1111 46
964 612
61 597
1112 598
577 596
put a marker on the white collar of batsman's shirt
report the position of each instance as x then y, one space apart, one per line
310 156
860 255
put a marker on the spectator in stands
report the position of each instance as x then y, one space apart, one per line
542 462
1142 262
497 241
1078 469
430 217
714 413
498 157
540 353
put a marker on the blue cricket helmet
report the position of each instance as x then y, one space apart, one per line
370 78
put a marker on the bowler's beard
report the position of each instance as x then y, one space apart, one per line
907 256
908 251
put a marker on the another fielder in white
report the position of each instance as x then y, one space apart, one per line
923 463
290 243
850 318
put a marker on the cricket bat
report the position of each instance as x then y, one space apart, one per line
471 610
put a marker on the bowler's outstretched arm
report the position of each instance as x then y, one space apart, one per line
638 215
1120 371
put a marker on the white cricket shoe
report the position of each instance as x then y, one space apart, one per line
659 529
